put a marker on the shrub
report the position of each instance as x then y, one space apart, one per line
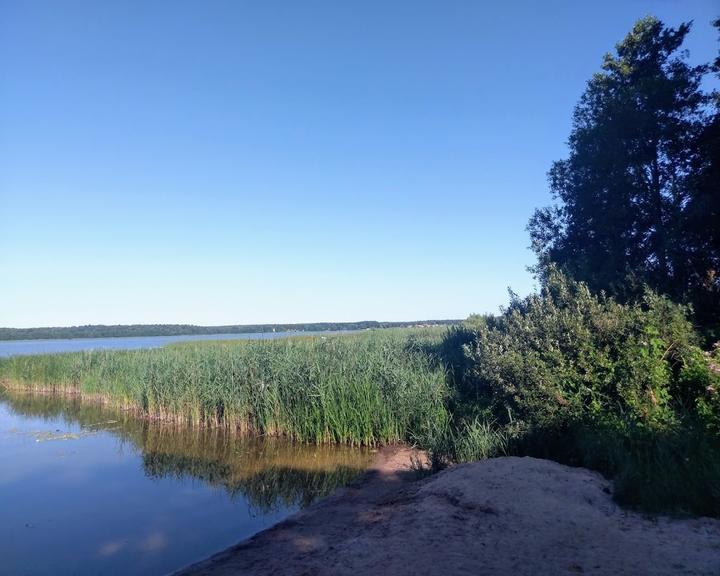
564 356
577 377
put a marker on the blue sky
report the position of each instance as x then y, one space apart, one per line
245 162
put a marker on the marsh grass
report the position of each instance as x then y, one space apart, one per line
360 389
451 442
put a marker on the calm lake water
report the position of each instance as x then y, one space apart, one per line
85 489
19 347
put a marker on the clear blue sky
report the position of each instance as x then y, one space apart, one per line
242 162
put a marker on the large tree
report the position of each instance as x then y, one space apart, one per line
627 197
702 224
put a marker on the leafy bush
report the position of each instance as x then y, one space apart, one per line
564 356
577 377
700 382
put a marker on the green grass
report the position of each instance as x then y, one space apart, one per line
369 388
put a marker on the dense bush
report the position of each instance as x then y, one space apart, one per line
580 378
565 355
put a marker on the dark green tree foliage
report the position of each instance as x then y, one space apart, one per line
703 219
637 196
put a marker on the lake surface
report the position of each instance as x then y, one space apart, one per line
22 347
85 489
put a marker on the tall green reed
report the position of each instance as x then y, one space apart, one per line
369 388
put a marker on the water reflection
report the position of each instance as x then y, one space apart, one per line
269 472
70 466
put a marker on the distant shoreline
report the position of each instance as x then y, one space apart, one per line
140 330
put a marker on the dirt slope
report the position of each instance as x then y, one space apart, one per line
506 516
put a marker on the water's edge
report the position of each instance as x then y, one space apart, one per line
49 436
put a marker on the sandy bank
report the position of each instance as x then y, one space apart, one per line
507 516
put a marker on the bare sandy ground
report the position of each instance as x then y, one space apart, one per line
506 516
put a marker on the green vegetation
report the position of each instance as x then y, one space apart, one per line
611 365
565 374
367 388
579 378
138 330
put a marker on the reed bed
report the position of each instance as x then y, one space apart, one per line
359 389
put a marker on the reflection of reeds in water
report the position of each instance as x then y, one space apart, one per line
70 409
267 489
269 473
367 388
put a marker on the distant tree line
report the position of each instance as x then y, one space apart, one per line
121 331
